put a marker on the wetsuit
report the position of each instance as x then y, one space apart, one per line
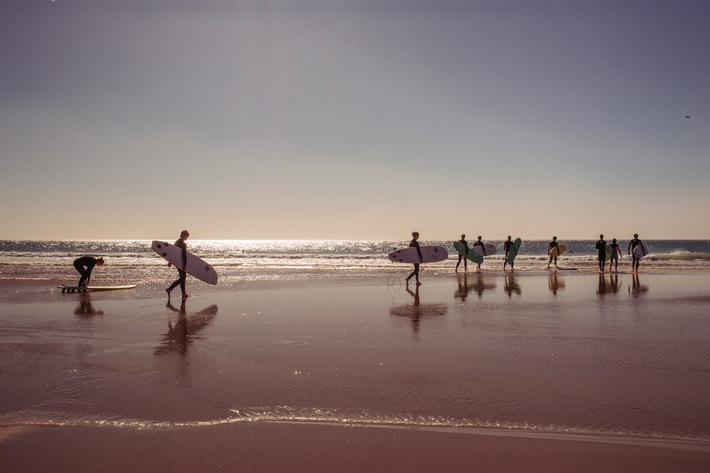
634 259
506 247
601 250
182 275
553 244
85 265
462 257
614 259
415 244
480 243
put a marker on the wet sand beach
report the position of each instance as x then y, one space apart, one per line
539 371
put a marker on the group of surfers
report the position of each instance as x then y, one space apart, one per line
86 264
601 247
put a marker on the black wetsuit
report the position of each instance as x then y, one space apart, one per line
414 243
553 244
462 257
614 258
182 275
506 246
601 250
85 265
634 259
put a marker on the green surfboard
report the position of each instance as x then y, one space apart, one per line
468 253
513 251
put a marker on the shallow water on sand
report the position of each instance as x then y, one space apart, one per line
625 355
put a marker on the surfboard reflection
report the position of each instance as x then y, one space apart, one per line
416 311
511 285
477 285
555 283
183 332
85 308
637 289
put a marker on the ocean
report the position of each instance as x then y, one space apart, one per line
239 261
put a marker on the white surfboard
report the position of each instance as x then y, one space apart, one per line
65 288
195 266
641 250
490 249
430 254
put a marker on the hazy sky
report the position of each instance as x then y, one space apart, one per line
354 119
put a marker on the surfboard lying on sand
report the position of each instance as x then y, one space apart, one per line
195 266
430 254
557 251
641 250
490 249
94 288
468 253
513 251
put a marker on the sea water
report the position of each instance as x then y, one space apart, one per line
133 261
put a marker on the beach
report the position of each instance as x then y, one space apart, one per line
529 371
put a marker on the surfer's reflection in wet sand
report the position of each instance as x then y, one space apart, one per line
611 286
510 286
463 288
478 286
555 283
85 308
182 334
636 289
417 311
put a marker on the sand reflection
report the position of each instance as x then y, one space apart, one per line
182 333
608 286
555 283
476 284
416 311
85 308
636 288
511 286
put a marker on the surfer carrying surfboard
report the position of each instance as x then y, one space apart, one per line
182 275
635 259
415 244
553 244
462 257
479 242
506 246
85 265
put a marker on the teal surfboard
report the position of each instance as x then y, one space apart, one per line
468 253
513 251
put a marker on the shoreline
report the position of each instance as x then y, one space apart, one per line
272 447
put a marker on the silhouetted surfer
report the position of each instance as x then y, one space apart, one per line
507 246
479 242
462 257
634 259
553 244
85 265
601 252
414 243
615 254
182 275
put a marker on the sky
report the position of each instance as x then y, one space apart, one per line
354 119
